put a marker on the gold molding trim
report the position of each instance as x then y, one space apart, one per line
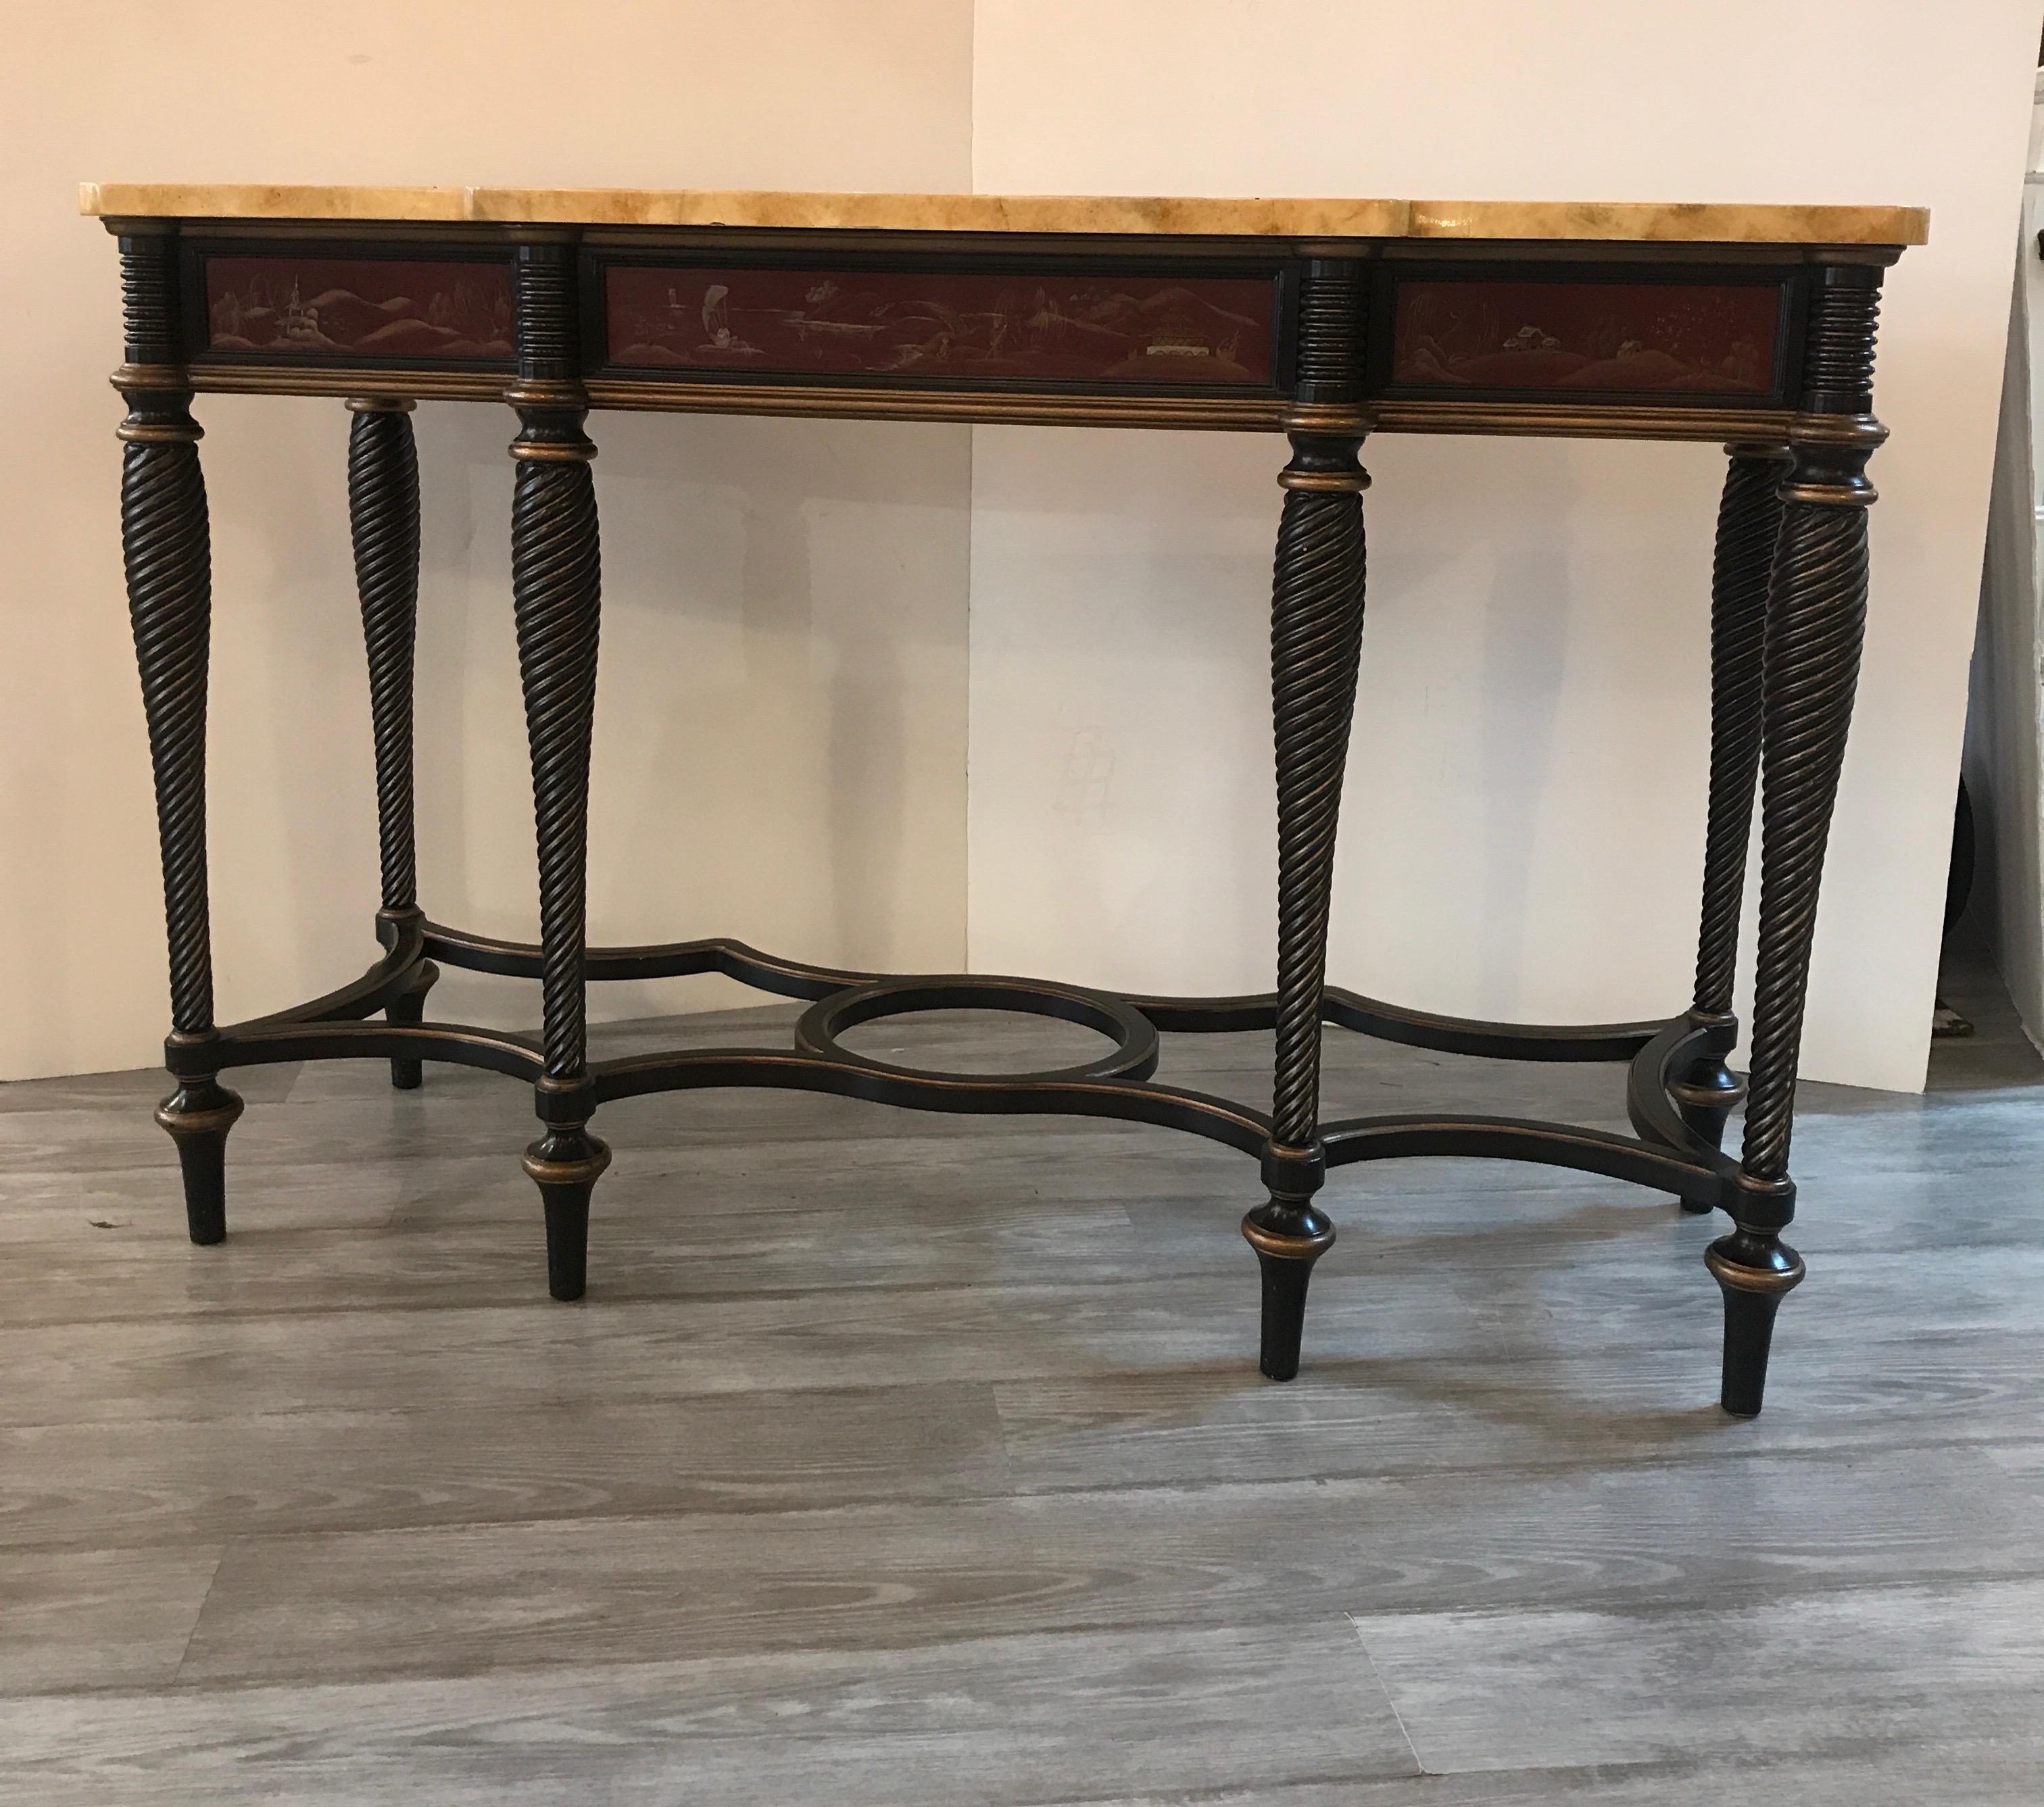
843 401
151 376
1837 430
1617 420
1221 413
284 379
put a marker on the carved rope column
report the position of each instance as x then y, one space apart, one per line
1316 643
1815 619
383 523
1749 524
555 587
166 548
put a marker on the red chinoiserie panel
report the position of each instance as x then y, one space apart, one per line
962 326
369 306
1607 336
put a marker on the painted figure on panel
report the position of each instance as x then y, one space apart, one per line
1588 336
945 325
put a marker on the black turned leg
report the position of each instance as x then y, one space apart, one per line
165 548
199 1114
1749 522
1816 616
383 521
1316 639
1288 1236
1755 1272
555 583
566 1164
409 1008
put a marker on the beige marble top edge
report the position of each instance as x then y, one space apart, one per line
269 200
1141 215
1696 222
1728 222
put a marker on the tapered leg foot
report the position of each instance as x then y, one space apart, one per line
199 1114
410 1009
1755 1273
566 1164
1285 1280
567 1240
1289 1239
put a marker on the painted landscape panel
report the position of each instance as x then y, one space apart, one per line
1609 336
373 307
964 326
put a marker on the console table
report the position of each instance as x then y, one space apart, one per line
1323 320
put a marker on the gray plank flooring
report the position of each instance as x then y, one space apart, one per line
896 1459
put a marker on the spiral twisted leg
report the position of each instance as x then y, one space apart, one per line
556 576
166 549
1315 642
1813 649
1749 522
555 572
1816 624
1816 617
383 519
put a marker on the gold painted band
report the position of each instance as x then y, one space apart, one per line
221 1117
547 451
1860 495
1762 1280
584 1172
1706 1097
1334 419
1286 1248
1836 429
160 432
380 404
1336 482
547 393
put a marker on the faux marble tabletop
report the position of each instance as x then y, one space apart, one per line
1260 216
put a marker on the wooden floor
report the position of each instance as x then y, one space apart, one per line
902 1459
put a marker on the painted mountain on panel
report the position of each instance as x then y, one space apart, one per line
367 307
